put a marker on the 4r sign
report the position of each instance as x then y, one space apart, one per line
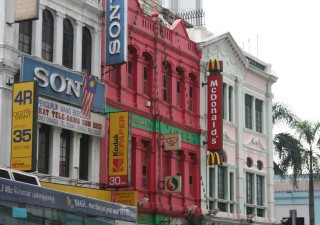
24 118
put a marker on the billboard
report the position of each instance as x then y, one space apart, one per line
119 149
71 118
24 126
58 83
215 110
116 31
26 10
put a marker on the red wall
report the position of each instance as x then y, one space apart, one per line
150 44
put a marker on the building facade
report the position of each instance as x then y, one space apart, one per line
159 85
243 186
290 198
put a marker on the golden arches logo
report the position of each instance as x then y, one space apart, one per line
214 158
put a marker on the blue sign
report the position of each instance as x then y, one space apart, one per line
45 197
58 83
116 31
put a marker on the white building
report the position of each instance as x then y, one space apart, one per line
65 37
244 185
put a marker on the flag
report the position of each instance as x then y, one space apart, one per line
88 91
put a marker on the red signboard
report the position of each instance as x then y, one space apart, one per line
215 110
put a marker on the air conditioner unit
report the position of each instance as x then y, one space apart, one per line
148 104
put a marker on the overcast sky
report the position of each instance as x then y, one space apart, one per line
283 33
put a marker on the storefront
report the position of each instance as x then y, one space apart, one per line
22 203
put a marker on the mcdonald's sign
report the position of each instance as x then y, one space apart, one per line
214 158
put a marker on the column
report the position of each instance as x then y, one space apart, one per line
240 176
54 150
3 19
37 35
270 172
58 38
77 46
96 53
94 159
74 155
253 113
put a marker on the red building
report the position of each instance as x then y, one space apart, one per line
159 85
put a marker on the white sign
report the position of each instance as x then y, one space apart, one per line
172 142
68 117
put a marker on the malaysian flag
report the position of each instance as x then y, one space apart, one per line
88 91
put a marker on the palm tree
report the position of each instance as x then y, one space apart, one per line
297 155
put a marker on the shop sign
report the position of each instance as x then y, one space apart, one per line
24 130
116 31
26 10
119 149
172 184
65 116
58 83
215 110
172 142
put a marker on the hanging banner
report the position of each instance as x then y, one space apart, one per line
119 149
24 126
116 31
215 106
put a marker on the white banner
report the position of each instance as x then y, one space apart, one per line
68 117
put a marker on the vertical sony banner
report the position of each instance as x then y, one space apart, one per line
24 126
215 106
119 150
116 31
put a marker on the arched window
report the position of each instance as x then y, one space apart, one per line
67 44
86 50
147 73
47 35
25 36
166 81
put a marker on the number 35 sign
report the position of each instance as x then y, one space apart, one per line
24 120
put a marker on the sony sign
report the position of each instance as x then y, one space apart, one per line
116 31
58 83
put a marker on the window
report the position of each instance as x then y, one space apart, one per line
224 109
25 36
86 50
248 111
258 106
249 188
145 163
64 153
165 88
192 173
84 157
221 182
43 149
178 93
145 81
249 162
230 103
259 165
129 75
190 102
67 60
259 190
47 35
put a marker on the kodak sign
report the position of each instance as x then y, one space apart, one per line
215 106
119 150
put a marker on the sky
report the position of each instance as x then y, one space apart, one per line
283 33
